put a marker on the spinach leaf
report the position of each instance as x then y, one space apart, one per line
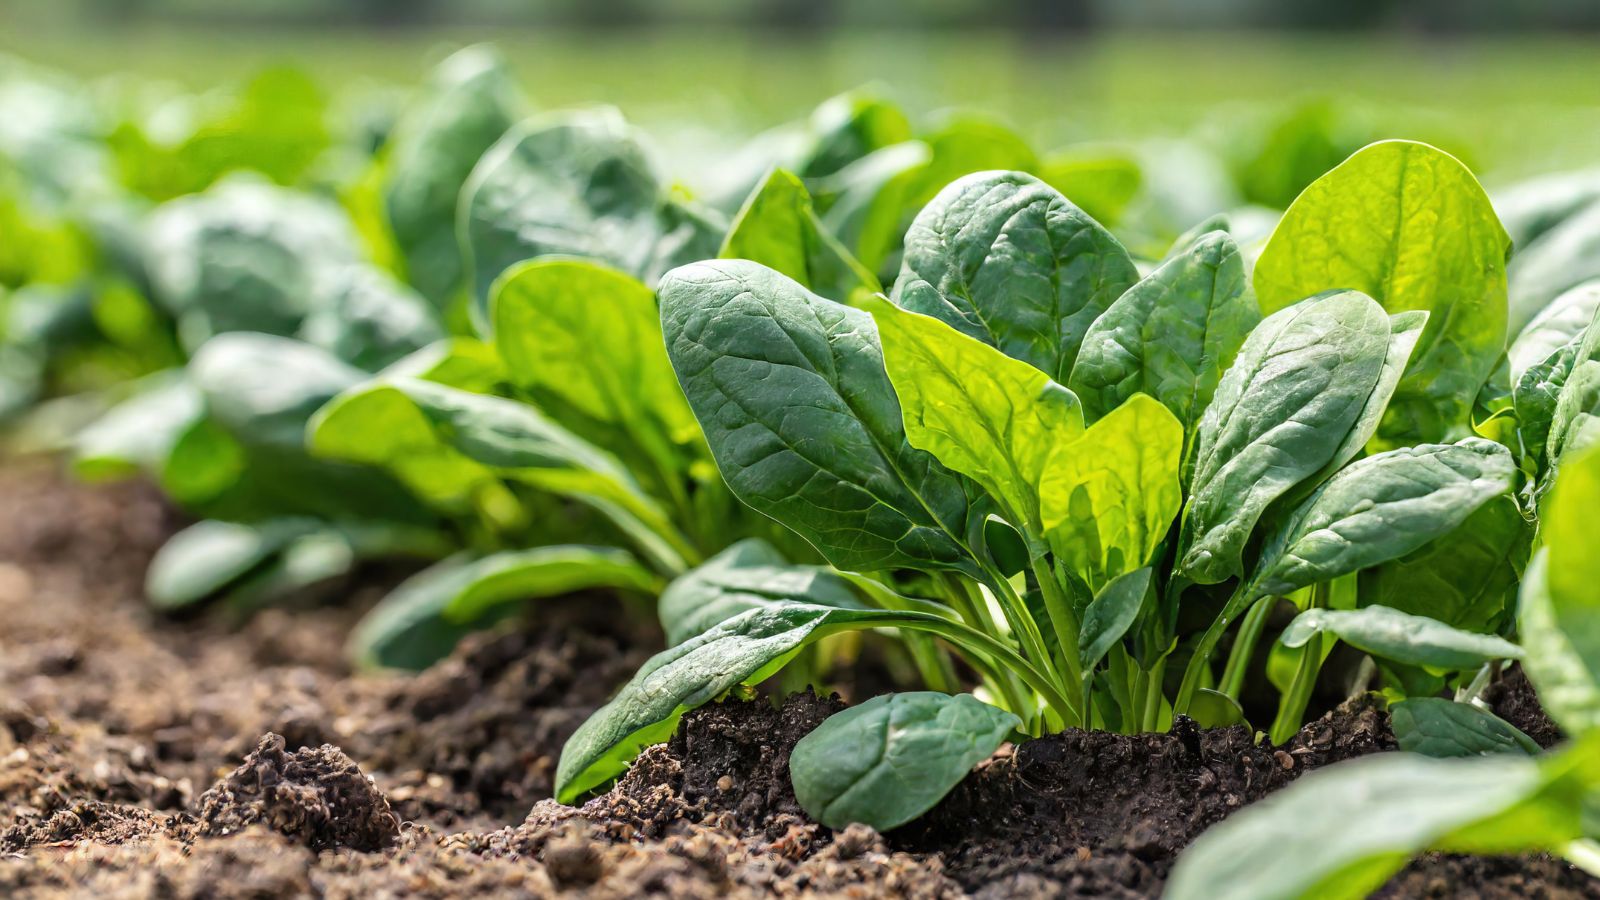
1281 412
1556 326
978 411
420 621
576 184
1560 608
1466 578
368 319
1004 258
550 319
803 421
778 227
1372 225
1443 729
1563 257
206 557
890 759
1381 508
1171 335
1110 614
1299 843
749 574
1401 637
469 101
1108 498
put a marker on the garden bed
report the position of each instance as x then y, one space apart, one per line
150 758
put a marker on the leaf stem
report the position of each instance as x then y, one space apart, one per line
1244 647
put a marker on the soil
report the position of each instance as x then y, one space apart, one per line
202 757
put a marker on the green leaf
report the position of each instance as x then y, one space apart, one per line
978 411
468 102
1434 726
263 388
1372 224
1556 326
748 574
1560 609
1110 614
1102 181
551 319
1381 508
1004 258
368 319
140 432
1406 329
1281 412
778 227
459 362
892 758
1565 256
1108 498
420 621
1401 637
1171 335
576 184
1466 579
1214 709
206 557
1577 404
802 419
1299 843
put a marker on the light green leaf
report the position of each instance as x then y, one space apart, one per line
1108 498
748 574
1004 258
1171 335
890 759
1281 412
1374 224
1556 663
551 320
420 621
1557 325
1381 508
264 388
1299 843
140 432
576 184
1434 726
1561 258
803 421
778 227
978 411
1110 614
1401 637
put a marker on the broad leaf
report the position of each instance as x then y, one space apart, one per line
420 621
803 422
469 101
1373 224
890 759
1381 508
1565 256
1108 498
1004 258
1109 616
263 388
1467 578
778 227
584 342
1556 326
978 411
1281 413
1300 843
140 432
576 184
1171 335
1401 637
1434 726
1560 610
749 574
206 557
368 319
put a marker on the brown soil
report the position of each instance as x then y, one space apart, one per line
201 758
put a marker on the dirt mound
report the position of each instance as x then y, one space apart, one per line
318 797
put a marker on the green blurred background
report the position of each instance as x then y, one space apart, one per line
1512 87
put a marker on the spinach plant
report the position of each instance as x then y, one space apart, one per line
1076 479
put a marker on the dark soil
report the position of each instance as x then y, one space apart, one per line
202 758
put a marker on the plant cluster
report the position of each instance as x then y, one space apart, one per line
1083 440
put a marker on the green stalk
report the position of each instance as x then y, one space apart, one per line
1292 706
1208 642
1244 647
1022 625
1152 698
1063 618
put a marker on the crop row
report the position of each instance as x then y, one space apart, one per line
1076 465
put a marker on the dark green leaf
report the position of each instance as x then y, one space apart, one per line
1401 637
890 759
1109 616
1434 726
749 574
